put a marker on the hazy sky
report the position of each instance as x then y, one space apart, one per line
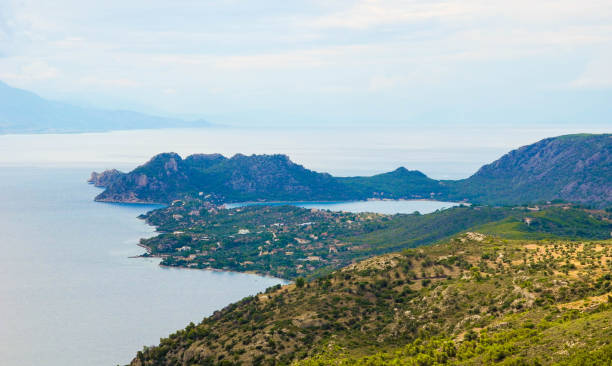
318 62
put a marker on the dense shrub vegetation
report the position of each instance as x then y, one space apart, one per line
473 299
573 168
288 242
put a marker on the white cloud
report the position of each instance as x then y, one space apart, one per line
378 83
372 13
35 70
369 13
285 60
180 59
110 83
205 56
596 75
69 42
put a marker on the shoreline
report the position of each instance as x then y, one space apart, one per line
213 269
130 202
249 203
245 203
225 270
148 251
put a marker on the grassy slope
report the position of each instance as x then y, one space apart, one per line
472 299
554 222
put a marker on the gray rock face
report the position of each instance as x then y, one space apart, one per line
105 178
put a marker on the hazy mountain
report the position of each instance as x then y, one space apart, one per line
24 112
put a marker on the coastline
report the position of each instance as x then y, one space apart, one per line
261 274
148 250
134 202
373 199
246 203
184 265
226 271
149 255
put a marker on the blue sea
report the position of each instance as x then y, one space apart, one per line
69 292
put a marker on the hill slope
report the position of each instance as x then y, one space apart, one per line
575 168
287 241
167 177
473 299
400 183
24 112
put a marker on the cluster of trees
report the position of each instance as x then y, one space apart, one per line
288 242
470 299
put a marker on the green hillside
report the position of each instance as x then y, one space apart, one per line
572 168
288 241
474 299
400 183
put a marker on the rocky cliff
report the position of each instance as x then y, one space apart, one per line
105 178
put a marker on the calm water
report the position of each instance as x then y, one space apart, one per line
69 294
383 207
338 151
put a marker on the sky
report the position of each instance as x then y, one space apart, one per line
315 63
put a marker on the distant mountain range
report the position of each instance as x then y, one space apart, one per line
574 168
24 112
